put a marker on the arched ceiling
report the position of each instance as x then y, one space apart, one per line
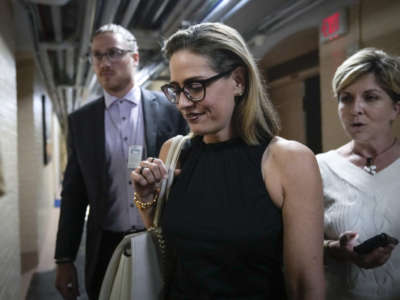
56 34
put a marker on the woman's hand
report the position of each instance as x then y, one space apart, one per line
147 178
375 258
343 250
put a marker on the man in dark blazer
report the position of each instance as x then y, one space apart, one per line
106 139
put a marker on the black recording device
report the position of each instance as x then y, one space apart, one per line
380 240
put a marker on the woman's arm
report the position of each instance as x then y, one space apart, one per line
148 180
293 180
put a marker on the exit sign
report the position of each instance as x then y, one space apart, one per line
333 26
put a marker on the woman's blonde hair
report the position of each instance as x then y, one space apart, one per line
254 118
385 67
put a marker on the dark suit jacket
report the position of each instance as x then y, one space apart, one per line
85 179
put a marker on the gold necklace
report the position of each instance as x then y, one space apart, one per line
370 167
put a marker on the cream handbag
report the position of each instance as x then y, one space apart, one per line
138 268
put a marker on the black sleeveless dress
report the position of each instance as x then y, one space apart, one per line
223 226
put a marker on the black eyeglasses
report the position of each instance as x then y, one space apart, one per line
194 90
112 55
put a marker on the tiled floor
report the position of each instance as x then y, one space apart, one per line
41 285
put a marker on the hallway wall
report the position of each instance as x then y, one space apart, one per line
371 24
37 180
27 208
9 230
288 101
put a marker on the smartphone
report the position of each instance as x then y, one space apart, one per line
380 240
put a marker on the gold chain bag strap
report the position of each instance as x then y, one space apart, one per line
156 230
140 268
2 184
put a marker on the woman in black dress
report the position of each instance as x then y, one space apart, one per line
244 214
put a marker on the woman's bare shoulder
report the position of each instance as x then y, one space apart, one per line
283 151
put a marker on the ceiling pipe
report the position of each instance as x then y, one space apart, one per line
234 10
69 99
181 5
69 64
72 56
69 71
87 86
92 83
218 12
44 58
109 12
159 11
86 92
293 9
188 11
88 24
45 66
148 7
51 2
130 11
149 72
39 64
61 96
207 7
63 91
56 18
294 14
63 45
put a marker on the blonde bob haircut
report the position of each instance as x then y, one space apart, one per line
254 118
385 67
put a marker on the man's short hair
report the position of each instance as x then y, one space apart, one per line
118 29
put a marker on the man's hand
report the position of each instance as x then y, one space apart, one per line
67 281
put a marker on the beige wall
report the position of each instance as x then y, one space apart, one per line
10 280
371 24
288 101
287 92
38 182
25 209
332 54
386 35
289 47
